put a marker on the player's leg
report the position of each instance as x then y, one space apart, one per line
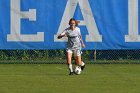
79 59
83 63
69 57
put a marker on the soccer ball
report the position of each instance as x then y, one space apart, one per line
77 70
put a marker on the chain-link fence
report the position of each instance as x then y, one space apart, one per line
59 56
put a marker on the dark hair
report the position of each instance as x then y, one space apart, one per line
76 22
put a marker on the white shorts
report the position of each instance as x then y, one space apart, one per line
76 52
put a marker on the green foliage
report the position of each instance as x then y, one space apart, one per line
60 55
31 54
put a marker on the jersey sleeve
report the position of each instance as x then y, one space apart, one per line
79 32
64 32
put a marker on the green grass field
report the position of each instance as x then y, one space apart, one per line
48 78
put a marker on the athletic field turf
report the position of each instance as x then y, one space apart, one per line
48 78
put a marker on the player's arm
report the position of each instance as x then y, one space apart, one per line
61 35
81 40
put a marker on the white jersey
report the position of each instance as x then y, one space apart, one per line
73 38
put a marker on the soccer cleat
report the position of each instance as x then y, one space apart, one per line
71 73
82 67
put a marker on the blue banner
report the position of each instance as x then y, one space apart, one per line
35 24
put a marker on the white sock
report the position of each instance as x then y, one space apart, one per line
82 63
70 68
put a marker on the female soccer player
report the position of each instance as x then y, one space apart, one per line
74 44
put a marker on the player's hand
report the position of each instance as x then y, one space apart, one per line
59 36
83 46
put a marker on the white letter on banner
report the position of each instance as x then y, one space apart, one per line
133 31
16 16
88 21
